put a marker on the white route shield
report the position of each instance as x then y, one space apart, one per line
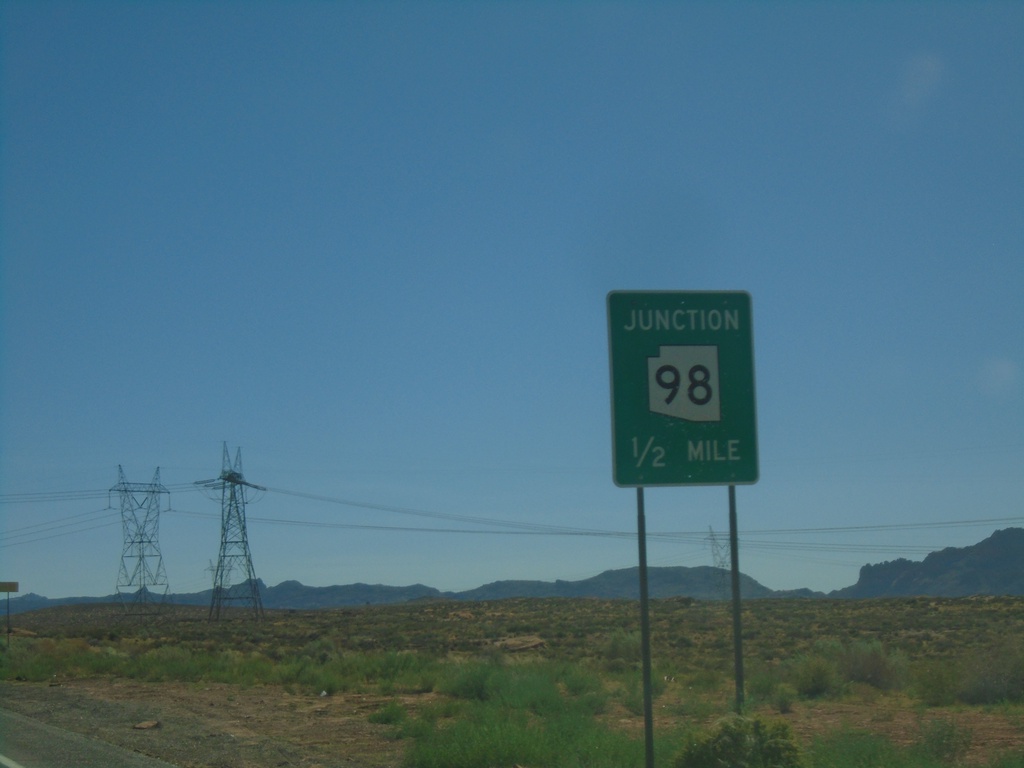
682 382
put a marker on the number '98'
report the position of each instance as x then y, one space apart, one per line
699 390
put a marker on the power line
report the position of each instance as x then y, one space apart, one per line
510 527
51 497
54 530
57 523
514 524
524 529
890 526
666 536
751 539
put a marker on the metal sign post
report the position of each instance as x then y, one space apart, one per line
683 413
737 622
8 587
645 631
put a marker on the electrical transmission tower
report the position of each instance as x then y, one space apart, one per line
142 577
234 557
720 559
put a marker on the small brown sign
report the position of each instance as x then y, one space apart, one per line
8 586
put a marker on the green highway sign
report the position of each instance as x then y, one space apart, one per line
682 386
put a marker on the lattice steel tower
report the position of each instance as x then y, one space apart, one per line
722 564
234 558
142 581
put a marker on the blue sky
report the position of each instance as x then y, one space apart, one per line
370 244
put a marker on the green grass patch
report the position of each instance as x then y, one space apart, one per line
391 713
495 735
540 713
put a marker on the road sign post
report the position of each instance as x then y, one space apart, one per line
8 587
683 413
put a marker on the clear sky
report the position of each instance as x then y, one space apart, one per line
371 243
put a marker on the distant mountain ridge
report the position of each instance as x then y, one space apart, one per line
702 583
990 567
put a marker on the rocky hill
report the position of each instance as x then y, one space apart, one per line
990 567
702 583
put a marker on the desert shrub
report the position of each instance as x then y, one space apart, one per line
869 662
826 669
944 741
706 679
45 658
170 662
783 698
392 666
529 689
390 714
993 676
472 681
765 685
631 696
320 650
630 690
621 651
814 676
762 680
742 742
385 672
25 661
585 687
935 683
579 681
303 675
